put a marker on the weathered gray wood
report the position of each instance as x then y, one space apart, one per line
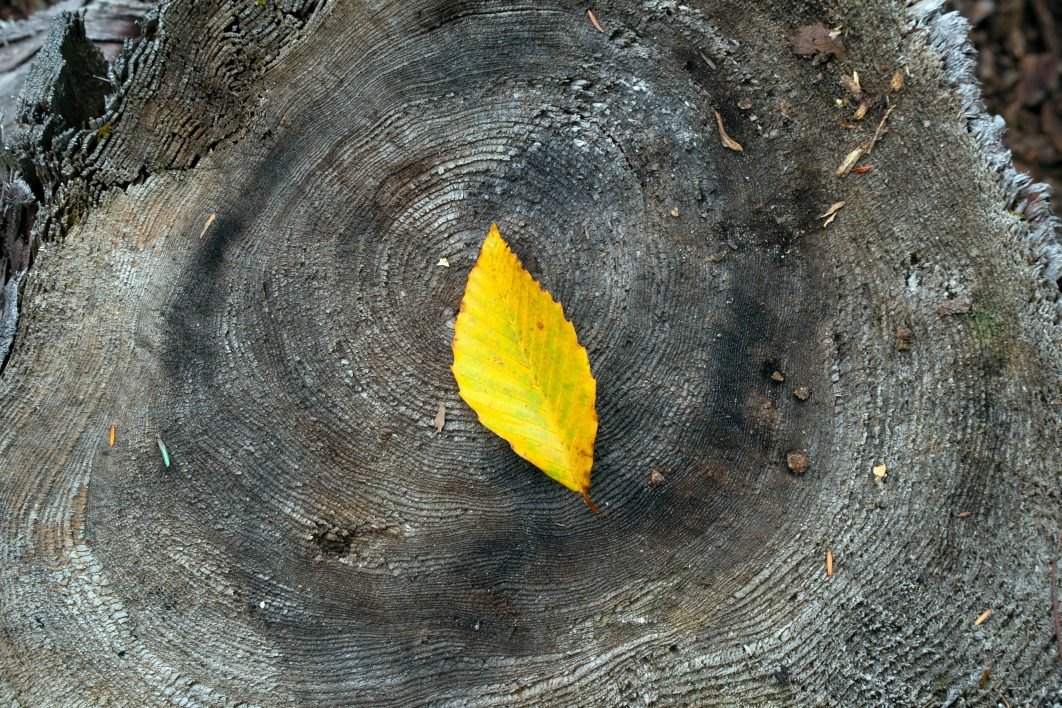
314 543
108 23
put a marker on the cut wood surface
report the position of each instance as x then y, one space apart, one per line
237 245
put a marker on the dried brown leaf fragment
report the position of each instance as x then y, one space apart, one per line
816 42
831 213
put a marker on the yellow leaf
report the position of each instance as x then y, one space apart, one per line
520 367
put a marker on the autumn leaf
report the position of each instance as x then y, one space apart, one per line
520 367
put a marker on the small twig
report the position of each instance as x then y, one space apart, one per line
881 127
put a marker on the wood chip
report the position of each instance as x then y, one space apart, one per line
964 514
982 617
675 213
593 19
209 221
797 461
111 436
852 158
896 82
955 306
777 377
440 419
709 62
656 478
861 111
862 169
727 140
829 563
880 471
802 393
443 262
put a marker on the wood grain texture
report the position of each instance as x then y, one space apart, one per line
312 541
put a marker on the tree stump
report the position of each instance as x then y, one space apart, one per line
234 254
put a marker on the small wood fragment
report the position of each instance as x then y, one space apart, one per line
777 377
879 472
802 393
797 461
709 62
209 221
964 514
593 19
727 140
440 418
111 436
983 616
675 213
861 111
656 478
862 169
851 159
829 563
443 262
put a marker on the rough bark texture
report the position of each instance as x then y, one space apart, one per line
314 543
